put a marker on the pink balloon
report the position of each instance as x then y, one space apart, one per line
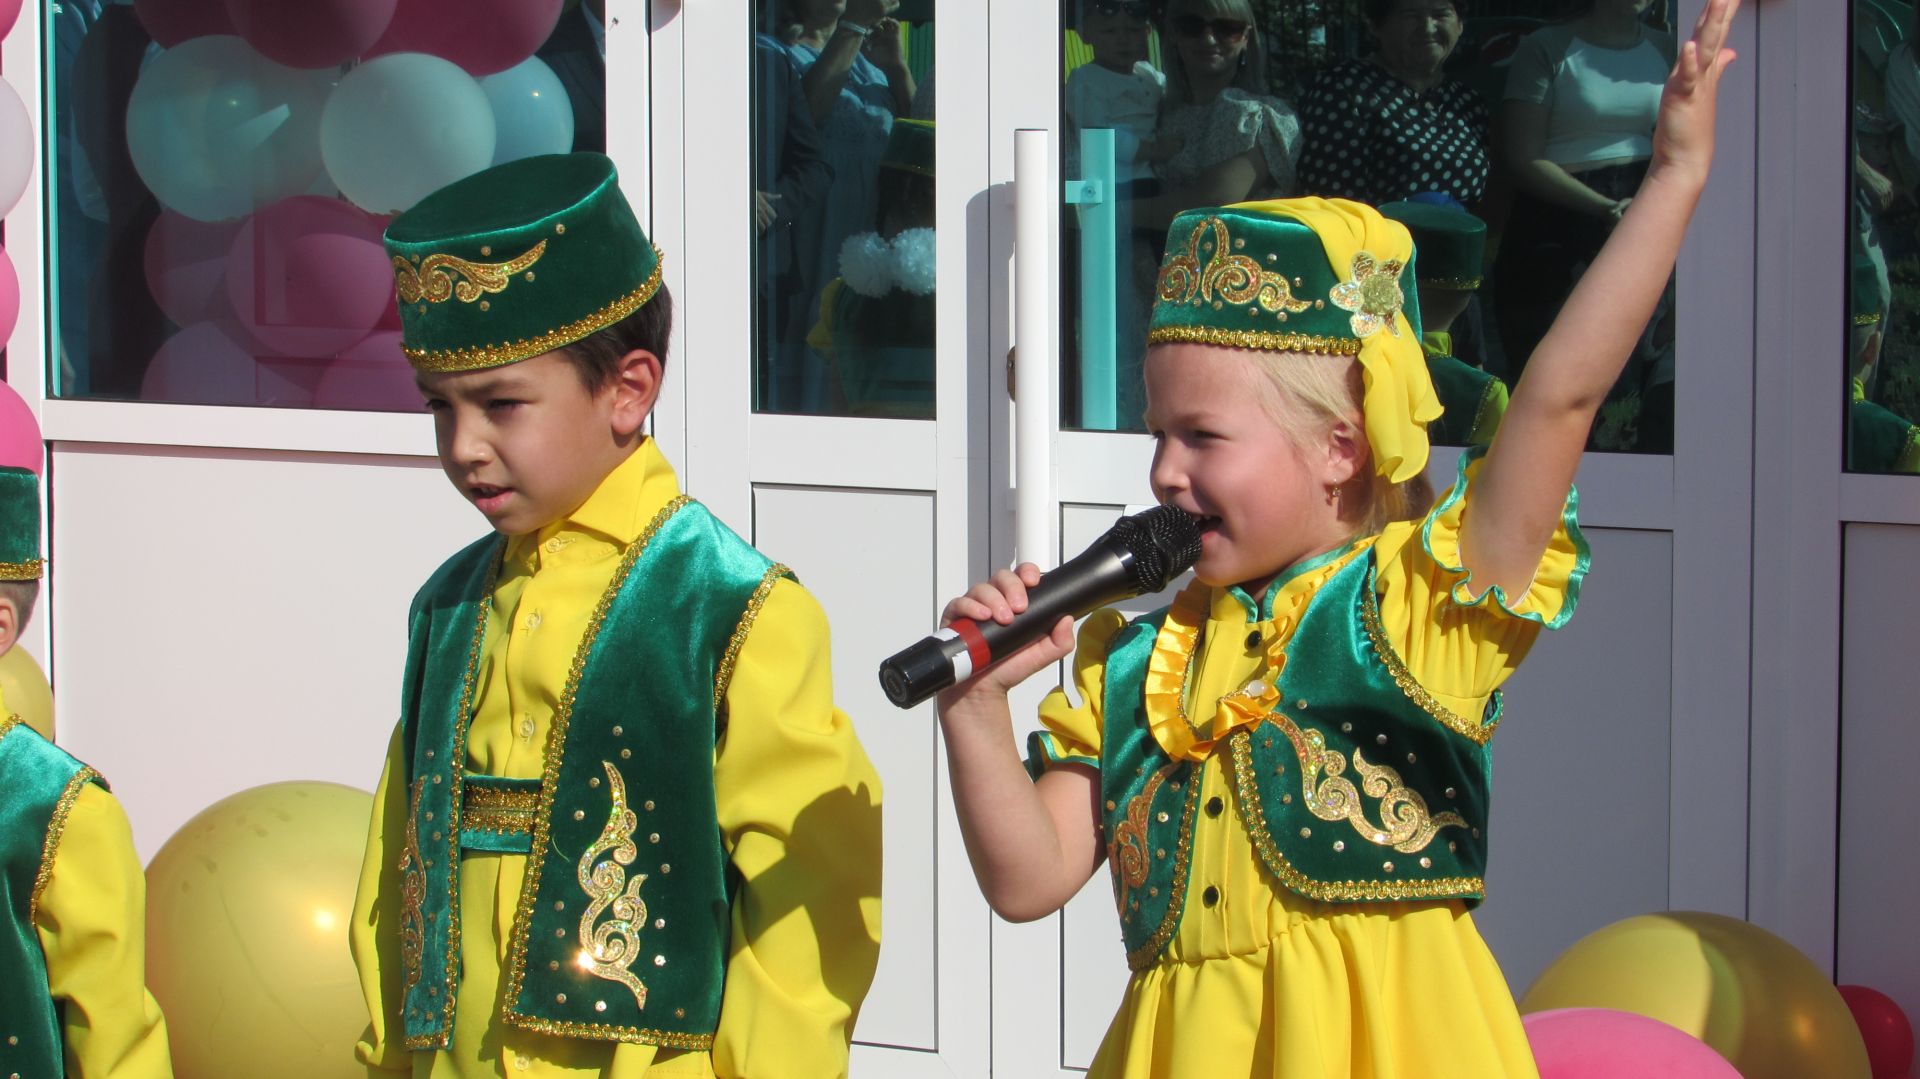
311 33
1600 1043
372 376
9 11
201 365
9 297
308 276
20 443
186 264
287 382
173 21
482 36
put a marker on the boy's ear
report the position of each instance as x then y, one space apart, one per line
9 623
636 386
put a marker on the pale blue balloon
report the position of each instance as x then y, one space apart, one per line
531 113
216 130
402 126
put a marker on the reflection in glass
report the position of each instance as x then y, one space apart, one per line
843 208
1396 101
219 191
1883 350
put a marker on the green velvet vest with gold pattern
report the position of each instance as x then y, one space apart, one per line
1357 786
622 928
41 781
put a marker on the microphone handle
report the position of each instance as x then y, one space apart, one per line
1097 576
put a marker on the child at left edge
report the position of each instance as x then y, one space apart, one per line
622 829
73 993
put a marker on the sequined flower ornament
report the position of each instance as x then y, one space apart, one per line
1372 294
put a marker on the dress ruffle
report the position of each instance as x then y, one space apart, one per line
1550 597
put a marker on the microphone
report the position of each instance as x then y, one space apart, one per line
1138 554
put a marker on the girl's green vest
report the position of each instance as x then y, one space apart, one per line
40 782
1359 786
622 927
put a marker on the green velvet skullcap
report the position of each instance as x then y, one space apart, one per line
518 260
1452 242
19 525
1308 275
910 147
1864 294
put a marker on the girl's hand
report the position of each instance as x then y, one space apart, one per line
1683 137
868 13
998 599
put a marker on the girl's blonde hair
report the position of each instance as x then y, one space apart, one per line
1311 394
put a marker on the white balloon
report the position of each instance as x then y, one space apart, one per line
16 147
531 113
216 129
402 126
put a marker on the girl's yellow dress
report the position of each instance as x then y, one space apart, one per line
1258 980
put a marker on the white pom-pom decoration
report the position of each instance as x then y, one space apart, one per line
913 261
866 264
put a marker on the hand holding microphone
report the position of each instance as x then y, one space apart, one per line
1139 554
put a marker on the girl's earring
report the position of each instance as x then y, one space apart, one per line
1333 493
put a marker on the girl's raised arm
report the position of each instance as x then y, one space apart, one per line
1524 482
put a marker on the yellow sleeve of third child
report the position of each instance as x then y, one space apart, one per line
92 924
799 810
374 934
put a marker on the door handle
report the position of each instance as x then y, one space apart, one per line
1036 188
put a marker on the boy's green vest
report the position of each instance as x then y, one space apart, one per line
622 927
41 781
1359 786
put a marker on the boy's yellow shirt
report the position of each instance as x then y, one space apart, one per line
92 925
800 958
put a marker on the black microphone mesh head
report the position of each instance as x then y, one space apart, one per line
1164 542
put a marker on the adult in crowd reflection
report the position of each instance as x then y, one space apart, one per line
791 179
853 70
1578 118
577 53
1236 141
1392 125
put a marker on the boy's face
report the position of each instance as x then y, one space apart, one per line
527 443
1117 38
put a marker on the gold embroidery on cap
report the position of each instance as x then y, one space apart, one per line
1234 279
433 278
30 570
1372 294
608 949
479 356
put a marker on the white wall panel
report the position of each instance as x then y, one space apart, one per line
864 555
1581 794
1879 867
224 619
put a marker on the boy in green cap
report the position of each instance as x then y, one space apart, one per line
622 829
73 991
1878 438
1452 244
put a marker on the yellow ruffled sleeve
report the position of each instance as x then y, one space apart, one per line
799 810
92 922
374 935
1070 732
1458 641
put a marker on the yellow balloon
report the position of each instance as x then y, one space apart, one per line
1742 990
247 912
25 690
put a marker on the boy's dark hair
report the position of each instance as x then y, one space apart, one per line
1377 10
596 357
24 595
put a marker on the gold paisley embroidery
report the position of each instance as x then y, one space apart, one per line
1142 957
1127 849
1372 294
1406 823
1227 278
413 892
474 357
609 948
1339 890
436 278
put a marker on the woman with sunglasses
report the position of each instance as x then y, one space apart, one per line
1237 141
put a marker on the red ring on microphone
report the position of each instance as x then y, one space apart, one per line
969 634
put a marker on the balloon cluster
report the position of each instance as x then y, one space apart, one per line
1691 995
279 139
16 164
